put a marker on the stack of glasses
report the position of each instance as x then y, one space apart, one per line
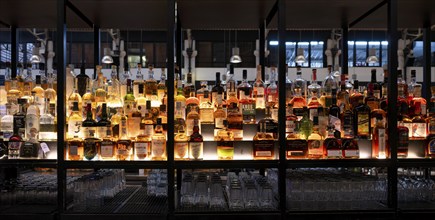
157 183
29 188
91 190
332 189
415 189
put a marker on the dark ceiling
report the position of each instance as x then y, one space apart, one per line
214 14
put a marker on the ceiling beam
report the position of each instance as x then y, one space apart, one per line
5 24
369 12
80 14
272 13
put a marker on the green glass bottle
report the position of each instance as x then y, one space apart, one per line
306 124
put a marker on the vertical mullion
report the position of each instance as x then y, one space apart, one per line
345 50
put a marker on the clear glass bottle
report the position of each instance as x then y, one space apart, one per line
379 140
114 100
162 89
231 83
259 91
225 143
315 146
150 83
158 142
272 91
103 125
20 119
129 98
141 100
138 81
39 94
74 121
32 120
74 97
88 97
217 90
301 82
7 123
181 145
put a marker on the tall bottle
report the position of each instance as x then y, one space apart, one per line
334 113
124 76
181 145
430 143
39 94
129 98
288 86
418 108
48 128
314 95
180 100
379 140
217 90
20 119
88 97
299 81
268 124
150 84
231 83
138 81
362 120
219 115
28 83
74 121
158 142
205 106
315 146
74 97
161 86
114 99
83 81
103 125
272 91
7 123
259 91
247 103
89 125
331 145
412 84
196 143
32 120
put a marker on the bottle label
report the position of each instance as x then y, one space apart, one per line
419 130
216 97
102 131
142 109
290 127
274 114
106 149
206 115
263 148
248 112
298 112
432 125
377 93
133 124
351 153
335 121
141 149
271 128
147 129
32 126
73 150
259 97
363 124
409 126
123 128
225 149
297 148
181 149
123 148
158 147
315 148
181 108
334 153
196 149
382 142
75 129
14 149
90 149
219 123
238 134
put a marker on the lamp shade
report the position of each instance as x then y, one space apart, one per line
372 58
107 59
236 57
300 57
36 57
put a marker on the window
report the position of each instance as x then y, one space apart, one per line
384 48
305 46
377 46
360 53
313 52
350 55
316 54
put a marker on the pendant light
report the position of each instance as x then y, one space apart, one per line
300 56
372 58
107 58
36 56
235 58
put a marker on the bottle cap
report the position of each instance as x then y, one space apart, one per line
148 104
245 74
38 79
159 121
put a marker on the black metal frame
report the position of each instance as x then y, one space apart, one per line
174 37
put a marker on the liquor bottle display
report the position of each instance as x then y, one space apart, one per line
322 122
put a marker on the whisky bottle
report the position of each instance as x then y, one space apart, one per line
356 96
161 86
101 92
402 108
291 120
181 145
331 145
334 113
150 83
31 149
296 148
412 84
158 142
147 122
323 121
306 125
39 94
192 102
430 142
129 98
83 81
133 122
28 83
401 85
232 101
124 76
235 122
75 148
268 124
20 119
108 147
314 92
349 144
272 91
418 110
114 100
74 97
362 120
196 144
15 142
103 125
91 146
258 90
179 121
298 102
231 88
123 148
402 141
13 94
288 86
88 97
141 100
314 141
7 123
206 108
217 90
328 84
225 143
164 117
47 126
32 120
88 125
138 81
191 117
300 82
379 140
3 148
263 144
74 122
373 92
142 147
247 103
50 92
219 115
180 101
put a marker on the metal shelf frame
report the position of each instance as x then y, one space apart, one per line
174 45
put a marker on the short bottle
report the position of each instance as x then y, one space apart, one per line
315 146
108 147
379 140
225 143
332 145
91 146
181 145
263 145
75 148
